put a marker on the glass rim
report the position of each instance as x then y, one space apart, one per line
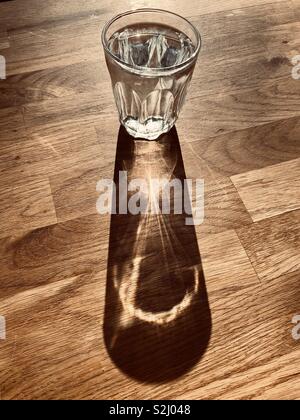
152 70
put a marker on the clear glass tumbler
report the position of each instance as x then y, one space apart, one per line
150 55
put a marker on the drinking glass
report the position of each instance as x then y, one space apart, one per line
150 55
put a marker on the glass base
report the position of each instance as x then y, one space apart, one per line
151 129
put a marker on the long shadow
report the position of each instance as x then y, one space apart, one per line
157 322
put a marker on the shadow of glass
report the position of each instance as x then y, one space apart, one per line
157 321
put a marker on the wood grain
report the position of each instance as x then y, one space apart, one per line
44 46
74 192
244 110
296 7
27 206
262 56
4 42
23 255
240 272
25 154
64 267
73 8
224 209
50 83
11 124
246 150
272 247
278 184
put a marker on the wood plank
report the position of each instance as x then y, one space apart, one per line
44 46
55 11
16 173
71 249
284 39
26 207
242 20
225 263
4 41
264 36
74 191
223 208
29 323
47 149
57 82
11 124
275 378
202 7
63 138
296 5
270 191
273 245
244 150
85 110
221 115
262 341
13 148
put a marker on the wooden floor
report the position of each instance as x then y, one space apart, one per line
71 330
